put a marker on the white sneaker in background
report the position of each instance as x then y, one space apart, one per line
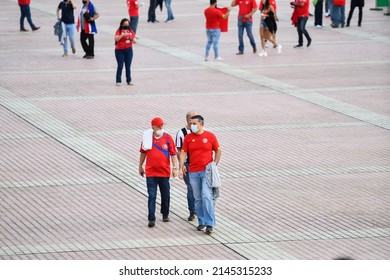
219 58
279 48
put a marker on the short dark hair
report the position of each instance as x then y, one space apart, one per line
198 117
212 2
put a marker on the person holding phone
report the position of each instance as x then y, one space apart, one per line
124 39
87 27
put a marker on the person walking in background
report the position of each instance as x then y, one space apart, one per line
132 8
318 13
124 39
86 24
152 11
26 13
354 4
67 18
268 27
179 144
170 16
157 147
199 146
246 8
213 28
339 14
299 19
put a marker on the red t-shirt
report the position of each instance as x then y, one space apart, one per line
157 159
24 2
126 41
304 10
199 147
132 8
245 7
213 18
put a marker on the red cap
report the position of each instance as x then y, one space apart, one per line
157 122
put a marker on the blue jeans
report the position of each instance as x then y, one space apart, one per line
301 28
339 14
190 192
134 24
163 183
169 9
69 29
248 27
25 13
331 10
124 56
204 204
212 39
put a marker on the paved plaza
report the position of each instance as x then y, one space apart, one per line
304 134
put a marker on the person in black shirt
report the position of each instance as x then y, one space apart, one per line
67 20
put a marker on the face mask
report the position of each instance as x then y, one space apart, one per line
194 128
126 27
159 132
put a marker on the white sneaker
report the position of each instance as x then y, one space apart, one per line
118 84
263 53
206 59
279 48
219 58
318 26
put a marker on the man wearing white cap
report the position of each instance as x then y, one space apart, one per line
157 147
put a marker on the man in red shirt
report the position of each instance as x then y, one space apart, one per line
213 28
25 13
246 9
132 6
199 145
300 17
157 150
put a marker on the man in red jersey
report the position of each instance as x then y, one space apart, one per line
246 9
132 7
199 145
300 17
25 13
213 28
157 147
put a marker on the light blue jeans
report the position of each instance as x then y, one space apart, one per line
203 194
169 9
212 39
69 31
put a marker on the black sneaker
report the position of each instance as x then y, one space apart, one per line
191 217
209 229
298 46
309 42
200 227
166 219
151 223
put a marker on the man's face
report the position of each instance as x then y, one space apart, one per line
195 124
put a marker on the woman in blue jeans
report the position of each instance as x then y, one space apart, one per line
124 39
170 16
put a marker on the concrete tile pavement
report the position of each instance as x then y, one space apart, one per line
305 139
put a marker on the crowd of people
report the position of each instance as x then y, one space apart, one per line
216 22
195 153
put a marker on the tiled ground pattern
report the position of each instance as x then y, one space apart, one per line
305 139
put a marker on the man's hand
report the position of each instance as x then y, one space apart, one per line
141 171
